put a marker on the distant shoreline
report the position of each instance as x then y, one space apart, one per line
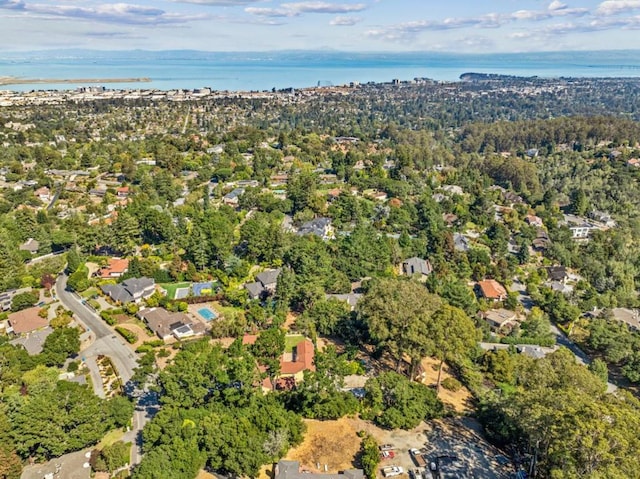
37 81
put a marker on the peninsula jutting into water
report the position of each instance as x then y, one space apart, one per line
46 81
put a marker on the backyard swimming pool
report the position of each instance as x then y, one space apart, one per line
207 314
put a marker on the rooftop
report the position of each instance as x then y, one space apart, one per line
27 320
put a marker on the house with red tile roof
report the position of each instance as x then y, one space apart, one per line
115 268
122 192
292 364
492 290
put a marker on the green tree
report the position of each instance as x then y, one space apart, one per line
60 345
394 402
74 260
454 335
24 300
398 314
369 456
79 280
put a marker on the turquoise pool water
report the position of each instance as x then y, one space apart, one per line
207 314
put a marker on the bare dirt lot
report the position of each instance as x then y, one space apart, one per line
460 401
336 444
331 443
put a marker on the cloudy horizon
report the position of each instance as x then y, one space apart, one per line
364 25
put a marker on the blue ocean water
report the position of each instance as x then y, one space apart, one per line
265 70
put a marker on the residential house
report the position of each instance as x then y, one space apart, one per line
492 290
115 268
501 320
630 317
31 245
560 287
233 198
351 298
122 192
26 321
299 360
291 470
7 296
535 352
417 266
321 227
292 364
44 194
534 220
557 273
265 284
512 198
278 180
453 189
542 240
132 290
33 342
166 324
461 243
580 227
604 218
532 152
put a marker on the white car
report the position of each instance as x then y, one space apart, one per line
391 471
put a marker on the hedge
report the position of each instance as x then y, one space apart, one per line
129 336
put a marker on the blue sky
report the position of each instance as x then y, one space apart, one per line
350 25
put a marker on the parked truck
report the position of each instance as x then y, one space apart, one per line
391 471
418 458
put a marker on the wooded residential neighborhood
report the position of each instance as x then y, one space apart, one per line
190 287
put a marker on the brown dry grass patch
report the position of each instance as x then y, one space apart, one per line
460 401
334 443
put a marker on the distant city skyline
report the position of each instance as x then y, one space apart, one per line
346 25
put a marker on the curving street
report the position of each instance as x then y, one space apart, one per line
108 343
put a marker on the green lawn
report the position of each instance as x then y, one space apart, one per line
172 287
291 341
110 438
90 292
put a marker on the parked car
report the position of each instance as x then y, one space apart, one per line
386 447
387 455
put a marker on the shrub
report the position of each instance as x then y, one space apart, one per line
106 315
129 336
452 384
370 457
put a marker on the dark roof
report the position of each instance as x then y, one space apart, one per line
268 277
254 289
416 265
163 322
316 227
126 291
237 193
557 273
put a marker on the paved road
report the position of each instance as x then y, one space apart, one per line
108 343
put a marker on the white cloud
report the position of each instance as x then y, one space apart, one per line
343 21
556 5
122 13
614 7
220 3
299 8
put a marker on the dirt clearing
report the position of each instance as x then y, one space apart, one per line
460 401
330 443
